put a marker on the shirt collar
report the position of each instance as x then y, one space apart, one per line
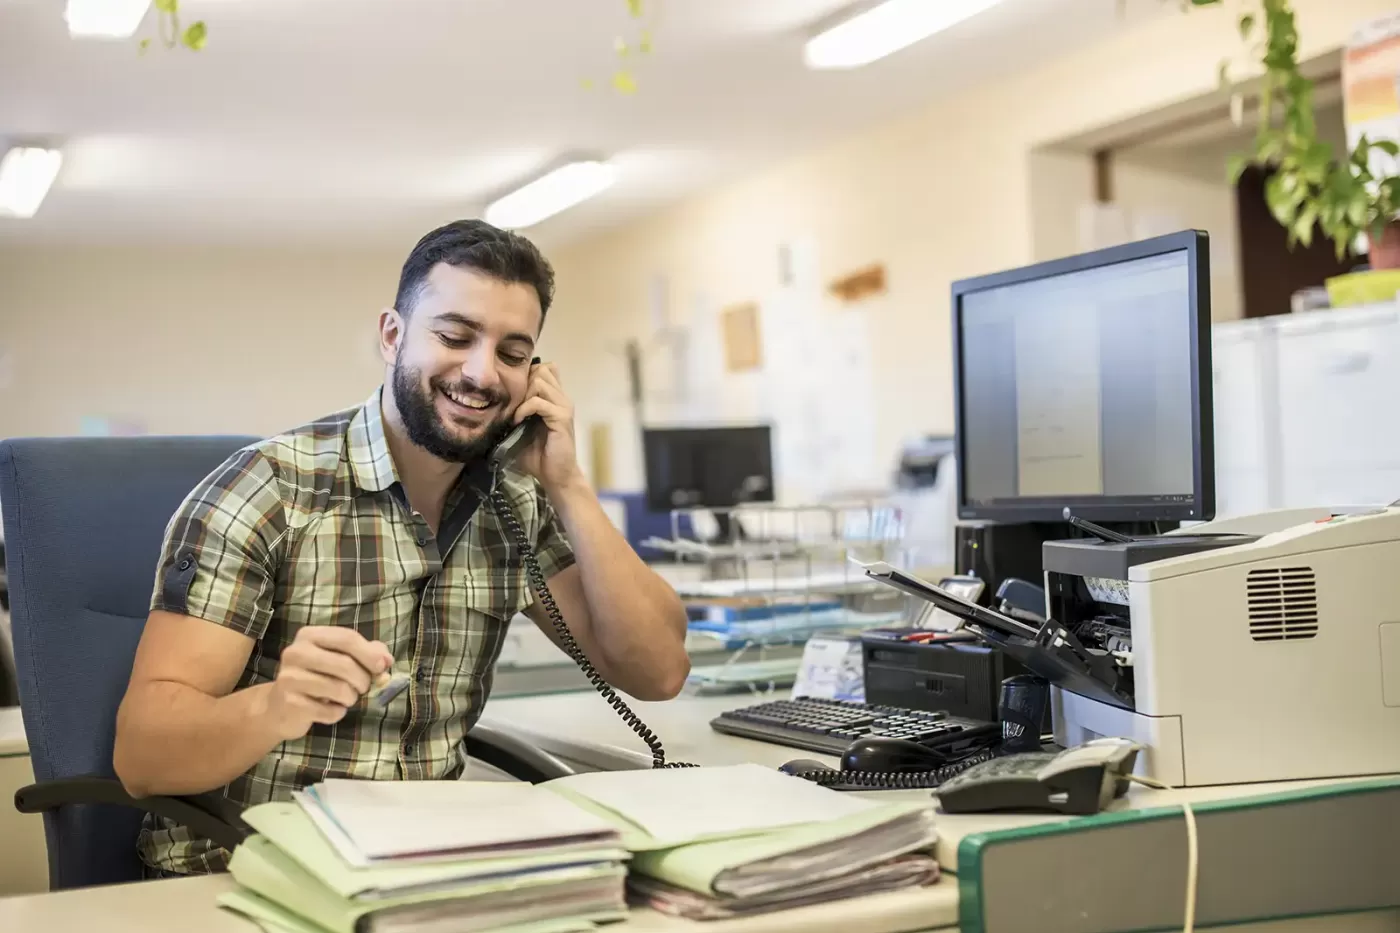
371 464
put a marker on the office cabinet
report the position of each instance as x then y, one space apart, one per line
1307 410
1244 361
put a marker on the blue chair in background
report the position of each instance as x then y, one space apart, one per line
84 519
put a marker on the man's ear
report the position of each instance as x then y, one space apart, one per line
392 331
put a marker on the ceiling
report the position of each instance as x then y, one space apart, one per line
365 122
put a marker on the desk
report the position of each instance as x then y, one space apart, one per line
187 904
582 729
24 866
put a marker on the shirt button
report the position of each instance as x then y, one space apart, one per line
420 675
408 748
422 540
186 563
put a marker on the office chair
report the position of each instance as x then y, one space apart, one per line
84 520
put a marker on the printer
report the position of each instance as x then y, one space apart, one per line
1248 650
1264 648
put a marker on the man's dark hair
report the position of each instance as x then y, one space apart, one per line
475 244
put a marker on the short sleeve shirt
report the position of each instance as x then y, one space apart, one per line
312 527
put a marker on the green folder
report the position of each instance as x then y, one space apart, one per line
274 919
290 829
698 866
263 868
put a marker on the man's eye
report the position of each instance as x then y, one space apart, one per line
514 359
455 343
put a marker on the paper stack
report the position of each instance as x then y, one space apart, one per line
713 843
428 857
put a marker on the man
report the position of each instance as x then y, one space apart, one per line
312 563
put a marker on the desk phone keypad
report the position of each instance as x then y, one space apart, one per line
1024 765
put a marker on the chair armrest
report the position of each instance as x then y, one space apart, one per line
514 756
211 815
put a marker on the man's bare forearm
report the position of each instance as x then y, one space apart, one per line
173 739
638 621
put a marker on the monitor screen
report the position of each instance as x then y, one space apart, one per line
707 467
1080 384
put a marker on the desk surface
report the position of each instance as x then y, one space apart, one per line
188 904
582 728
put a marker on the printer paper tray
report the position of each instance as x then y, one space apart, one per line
1060 667
1050 651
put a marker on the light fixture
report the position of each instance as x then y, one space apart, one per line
884 29
26 174
105 19
549 194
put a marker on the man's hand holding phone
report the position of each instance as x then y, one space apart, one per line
324 671
552 459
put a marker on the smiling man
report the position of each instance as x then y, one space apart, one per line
362 545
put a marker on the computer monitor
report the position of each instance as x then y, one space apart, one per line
707 467
1086 383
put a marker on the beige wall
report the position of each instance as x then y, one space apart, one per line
941 195
203 341
1172 183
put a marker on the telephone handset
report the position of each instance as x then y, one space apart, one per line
520 437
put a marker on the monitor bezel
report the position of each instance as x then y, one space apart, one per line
1196 245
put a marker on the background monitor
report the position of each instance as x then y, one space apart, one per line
1086 382
707 467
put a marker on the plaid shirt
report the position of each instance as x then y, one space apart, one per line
312 527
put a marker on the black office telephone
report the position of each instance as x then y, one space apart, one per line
1079 780
868 764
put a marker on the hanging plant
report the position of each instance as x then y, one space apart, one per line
1309 186
171 34
628 50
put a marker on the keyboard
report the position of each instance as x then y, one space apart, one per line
829 726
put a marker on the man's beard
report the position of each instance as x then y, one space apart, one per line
425 427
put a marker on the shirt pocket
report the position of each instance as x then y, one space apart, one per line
490 600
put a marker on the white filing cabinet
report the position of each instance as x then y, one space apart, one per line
1339 398
1307 410
1245 363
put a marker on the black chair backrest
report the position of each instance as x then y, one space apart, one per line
84 519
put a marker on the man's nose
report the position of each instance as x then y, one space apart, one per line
480 366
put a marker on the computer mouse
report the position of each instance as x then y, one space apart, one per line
899 755
802 765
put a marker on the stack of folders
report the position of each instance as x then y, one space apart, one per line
717 843
468 856
427 857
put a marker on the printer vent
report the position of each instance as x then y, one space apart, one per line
1282 603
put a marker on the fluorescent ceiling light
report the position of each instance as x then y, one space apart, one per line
106 19
557 191
887 28
25 178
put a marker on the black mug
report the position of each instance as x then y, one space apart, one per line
1022 711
